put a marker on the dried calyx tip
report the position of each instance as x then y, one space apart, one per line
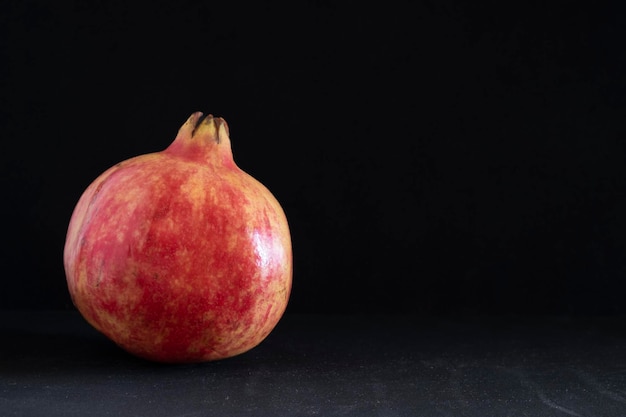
209 120
198 121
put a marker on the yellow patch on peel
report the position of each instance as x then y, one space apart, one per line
195 190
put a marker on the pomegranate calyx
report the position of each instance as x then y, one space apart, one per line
203 139
213 127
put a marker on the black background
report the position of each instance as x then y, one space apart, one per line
431 157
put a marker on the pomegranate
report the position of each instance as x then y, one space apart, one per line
180 256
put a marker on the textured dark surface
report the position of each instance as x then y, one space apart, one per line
54 364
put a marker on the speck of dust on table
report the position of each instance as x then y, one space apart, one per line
54 364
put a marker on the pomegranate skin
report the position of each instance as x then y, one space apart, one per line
180 256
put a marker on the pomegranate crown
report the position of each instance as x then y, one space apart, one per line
203 139
208 125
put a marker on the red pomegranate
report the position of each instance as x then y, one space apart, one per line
179 255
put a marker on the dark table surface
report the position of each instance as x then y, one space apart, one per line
54 364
